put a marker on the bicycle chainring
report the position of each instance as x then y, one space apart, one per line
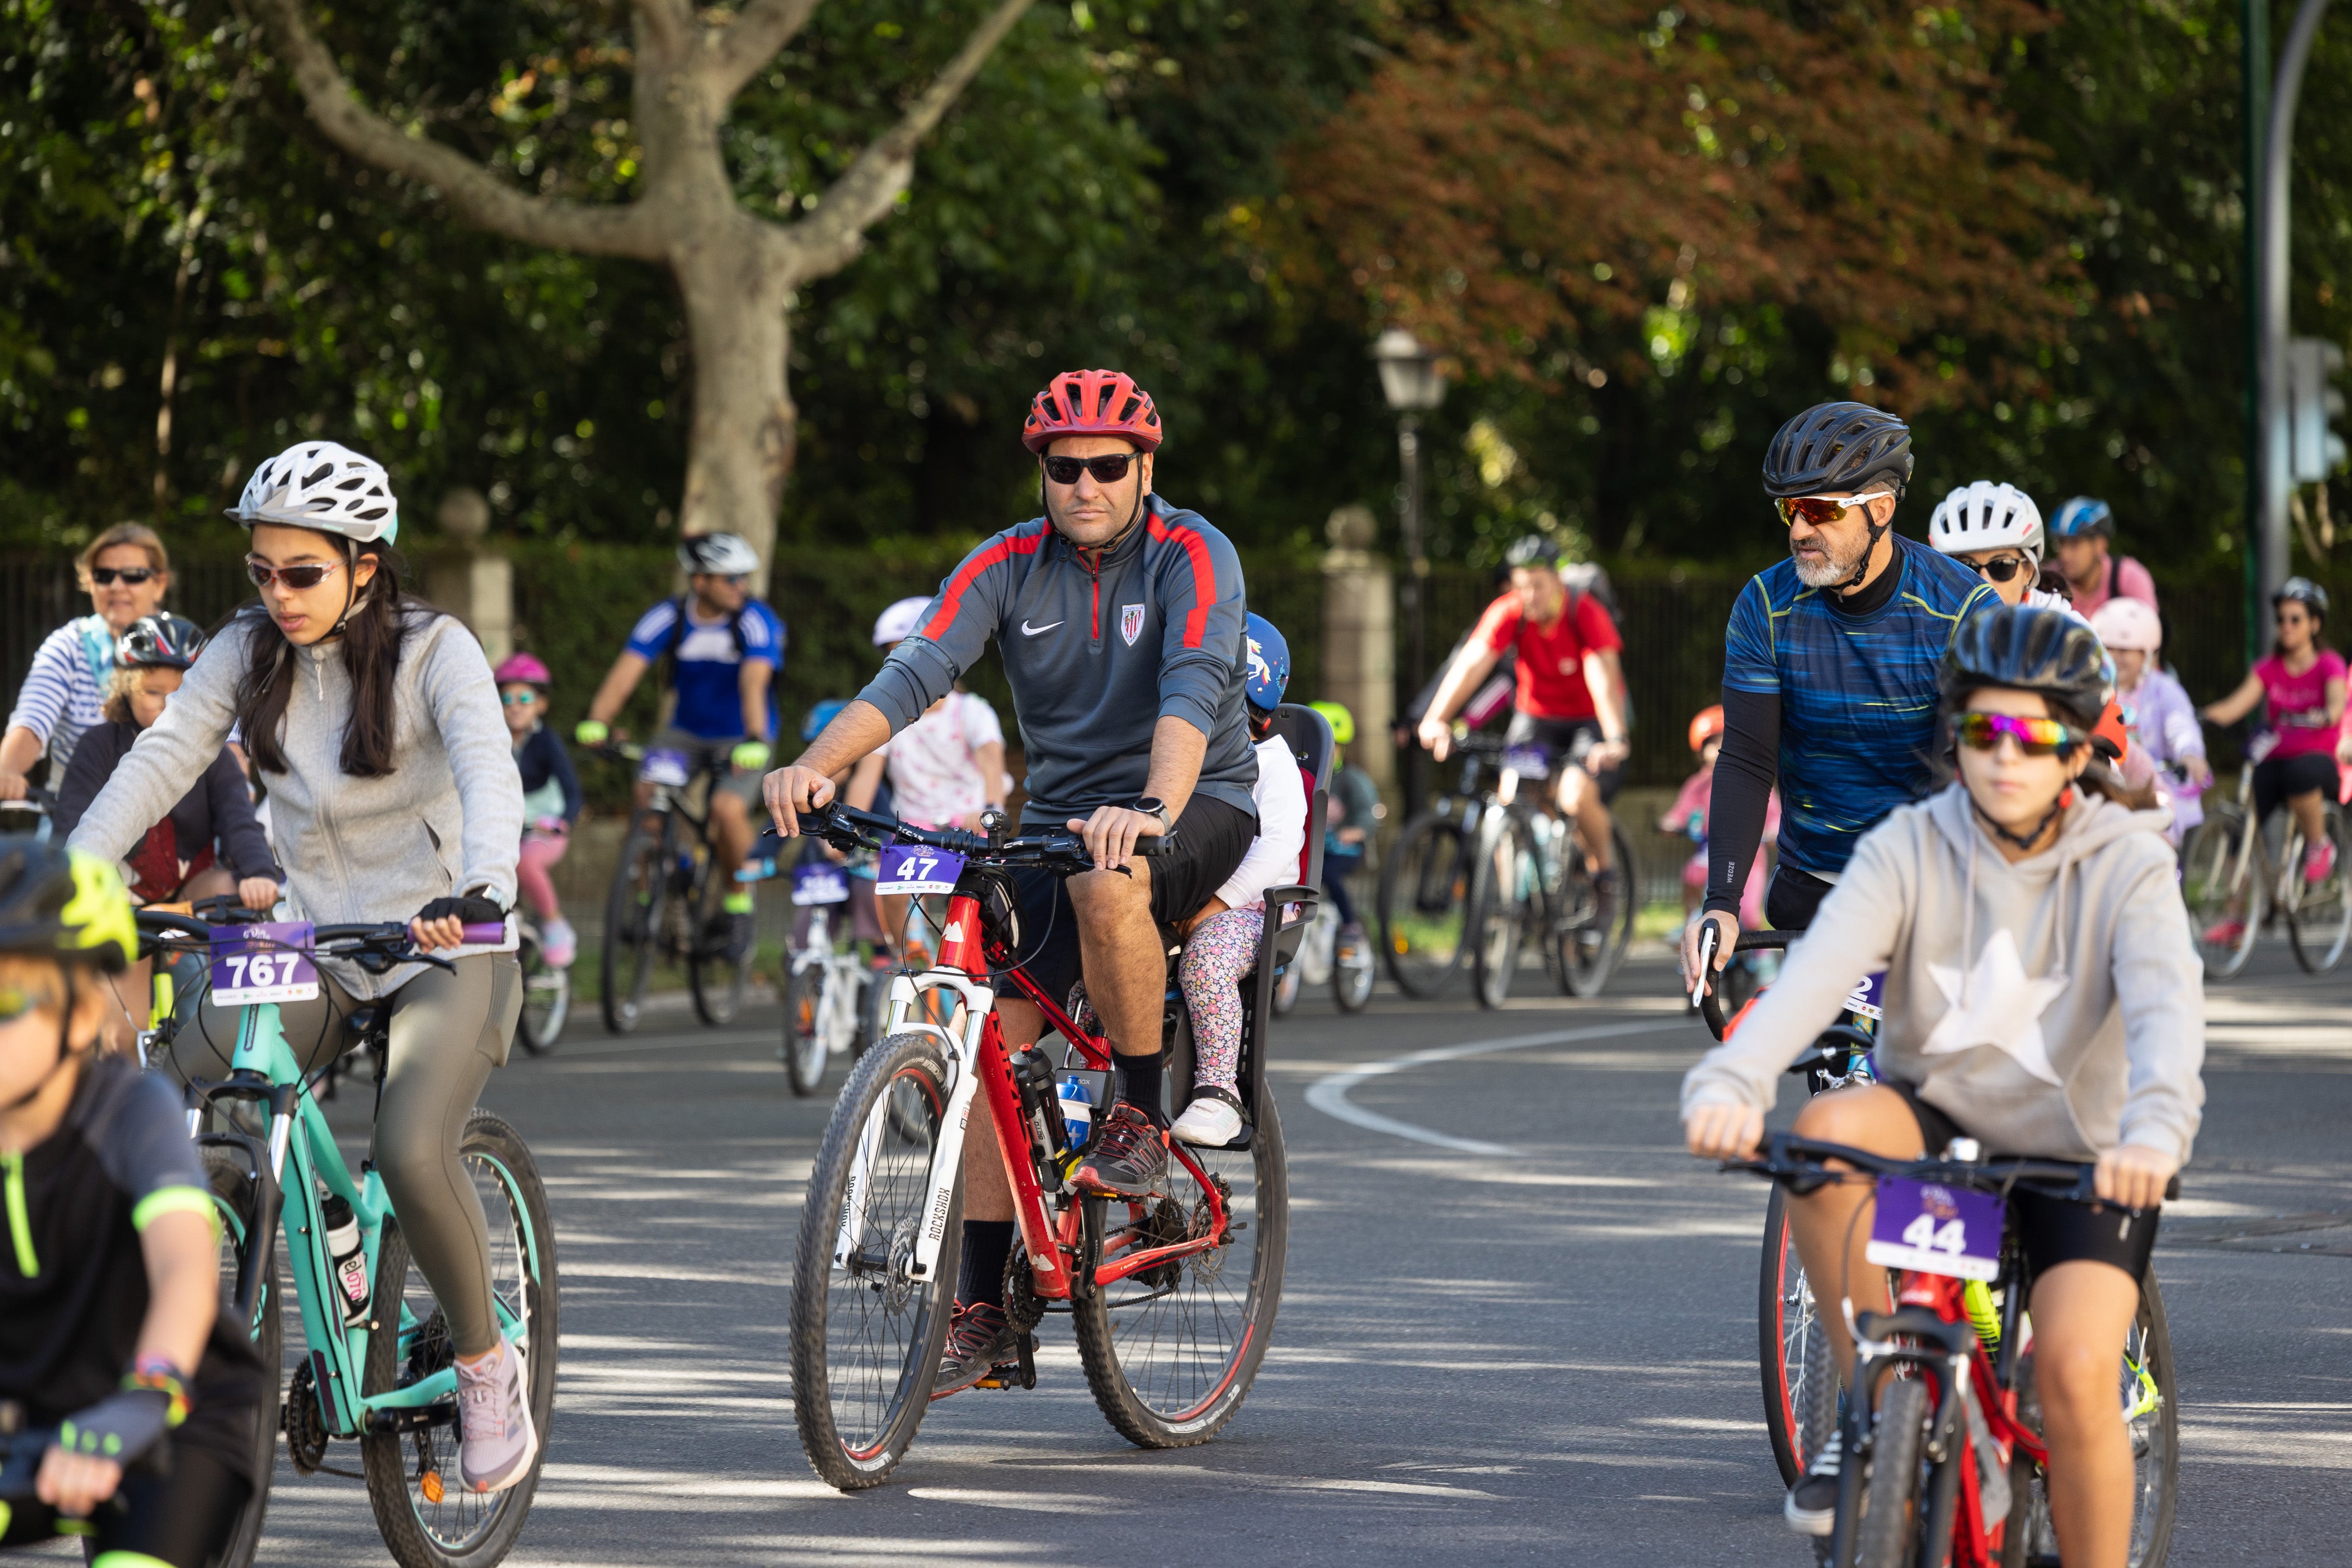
1023 1308
306 1425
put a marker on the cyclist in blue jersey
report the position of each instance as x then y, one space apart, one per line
1828 670
724 649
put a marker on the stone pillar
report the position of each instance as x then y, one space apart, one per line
1360 638
472 583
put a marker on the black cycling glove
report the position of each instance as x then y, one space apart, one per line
120 1426
473 909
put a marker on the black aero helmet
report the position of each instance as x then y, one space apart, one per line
1838 446
2027 648
159 641
2305 592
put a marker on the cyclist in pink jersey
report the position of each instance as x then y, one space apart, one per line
2303 685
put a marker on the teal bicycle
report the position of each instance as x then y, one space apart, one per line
378 1368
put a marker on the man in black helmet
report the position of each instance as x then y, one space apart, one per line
1829 667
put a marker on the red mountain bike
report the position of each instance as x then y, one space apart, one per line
1941 1428
1172 1298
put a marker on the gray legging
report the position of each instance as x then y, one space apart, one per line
447 1031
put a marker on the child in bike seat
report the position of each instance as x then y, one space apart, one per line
551 798
2044 998
110 1336
1222 944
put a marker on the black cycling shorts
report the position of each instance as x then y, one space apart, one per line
1210 839
182 1517
1794 898
1568 741
2278 780
2052 1230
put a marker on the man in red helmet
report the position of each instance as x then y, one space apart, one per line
1118 617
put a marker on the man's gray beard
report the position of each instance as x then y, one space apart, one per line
1830 573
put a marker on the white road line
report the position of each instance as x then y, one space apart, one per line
1329 1095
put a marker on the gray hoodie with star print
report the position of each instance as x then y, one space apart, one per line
2053 1007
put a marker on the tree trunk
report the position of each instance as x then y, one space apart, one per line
741 444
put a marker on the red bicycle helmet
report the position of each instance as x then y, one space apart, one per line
1092 402
1705 725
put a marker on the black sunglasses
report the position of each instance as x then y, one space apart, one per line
106 576
1107 470
299 578
2002 571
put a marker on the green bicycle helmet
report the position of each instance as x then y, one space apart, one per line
1343 722
67 905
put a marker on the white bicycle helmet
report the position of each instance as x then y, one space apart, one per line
325 486
897 623
1987 516
718 555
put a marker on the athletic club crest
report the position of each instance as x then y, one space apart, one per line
1130 623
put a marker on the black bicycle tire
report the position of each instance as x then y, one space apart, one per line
820 1434
1491 978
2319 953
805 985
2157 1343
1129 1414
1797 1418
1422 987
1352 990
622 1001
717 986
538 1037
385 1456
1888 1532
237 1194
1585 980
2224 828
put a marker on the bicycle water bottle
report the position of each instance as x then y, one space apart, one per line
342 1229
1077 1112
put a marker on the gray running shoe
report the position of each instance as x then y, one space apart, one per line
493 1414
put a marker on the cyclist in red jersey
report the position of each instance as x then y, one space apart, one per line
1567 682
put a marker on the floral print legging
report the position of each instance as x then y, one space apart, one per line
1221 949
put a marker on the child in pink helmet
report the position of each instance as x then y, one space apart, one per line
550 798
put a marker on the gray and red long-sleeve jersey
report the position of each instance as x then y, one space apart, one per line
1097 656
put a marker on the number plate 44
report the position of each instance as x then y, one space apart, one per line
267 963
1931 1228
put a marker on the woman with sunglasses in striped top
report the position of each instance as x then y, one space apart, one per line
126 573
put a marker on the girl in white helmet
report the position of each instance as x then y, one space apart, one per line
373 719
2163 719
1996 531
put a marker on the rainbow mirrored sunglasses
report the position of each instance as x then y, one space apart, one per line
2035 737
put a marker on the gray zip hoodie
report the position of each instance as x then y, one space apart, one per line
446 819
2052 1008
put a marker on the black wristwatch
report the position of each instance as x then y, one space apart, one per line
1153 805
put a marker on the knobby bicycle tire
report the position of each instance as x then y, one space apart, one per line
1889 1527
1170 1354
635 909
462 1528
2321 917
866 1340
237 1202
1498 906
1589 955
1422 937
1800 1385
805 1046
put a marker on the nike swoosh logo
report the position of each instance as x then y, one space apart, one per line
1029 631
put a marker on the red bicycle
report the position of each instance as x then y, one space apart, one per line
1172 1297
1941 1428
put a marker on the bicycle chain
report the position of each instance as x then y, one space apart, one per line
1023 1308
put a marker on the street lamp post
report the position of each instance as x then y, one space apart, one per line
1414 386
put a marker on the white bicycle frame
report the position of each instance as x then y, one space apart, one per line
837 1006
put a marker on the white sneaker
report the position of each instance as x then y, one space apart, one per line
1209 1120
494 1416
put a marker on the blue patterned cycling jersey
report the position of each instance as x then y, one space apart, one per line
1857 693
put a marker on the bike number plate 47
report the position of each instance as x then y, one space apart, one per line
820 884
1931 1228
669 767
260 964
915 869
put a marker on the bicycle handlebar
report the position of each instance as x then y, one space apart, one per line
846 828
1710 1006
388 939
1800 1164
37 800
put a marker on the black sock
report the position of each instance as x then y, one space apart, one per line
1140 1078
987 1243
